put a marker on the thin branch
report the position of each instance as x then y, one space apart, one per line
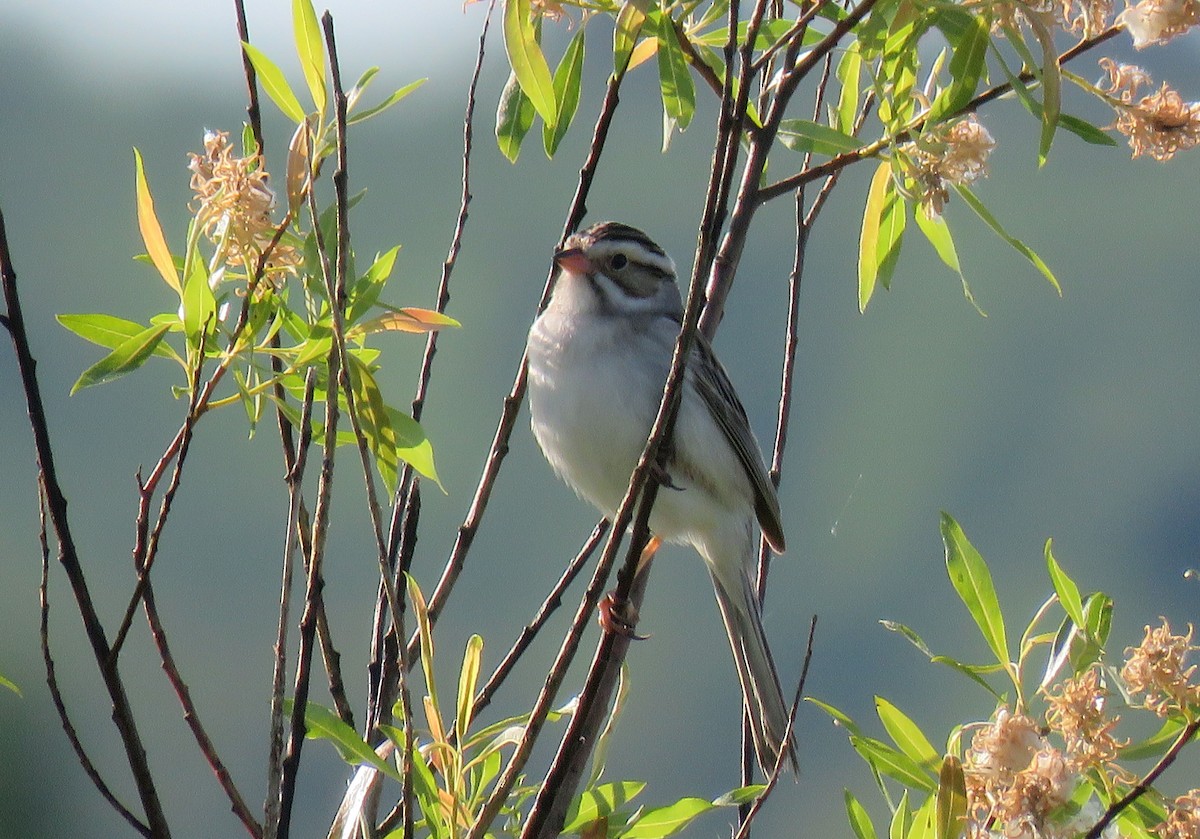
549 605
780 760
841 161
68 556
253 113
1144 785
512 402
56 697
295 478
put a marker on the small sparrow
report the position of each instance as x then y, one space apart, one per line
599 356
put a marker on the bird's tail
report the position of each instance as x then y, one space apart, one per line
762 695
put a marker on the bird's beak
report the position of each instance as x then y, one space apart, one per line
573 260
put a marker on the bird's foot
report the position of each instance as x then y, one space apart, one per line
619 618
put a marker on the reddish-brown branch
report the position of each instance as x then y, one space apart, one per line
68 556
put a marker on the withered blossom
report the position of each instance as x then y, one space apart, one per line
1184 819
1077 712
1158 21
1084 18
1160 124
1015 779
1158 668
233 207
951 155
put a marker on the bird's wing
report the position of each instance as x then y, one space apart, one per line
714 387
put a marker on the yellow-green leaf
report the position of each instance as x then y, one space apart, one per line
152 235
323 724
391 100
674 75
109 331
973 582
905 733
878 230
598 802
937 232
668 820
629 25
951 800
468 678
526 58
514 118
980 210
129 355
311 50
408 319
413 447
567 82
1064 587
848 72
860 822
274 83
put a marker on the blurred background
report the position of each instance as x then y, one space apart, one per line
1070 418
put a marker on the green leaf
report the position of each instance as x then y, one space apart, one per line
882 235
951 800
668 820
526 58
839 718
1086 131
598 802
900 819
375 421
905 733
1064 587
804 135
1097 616
274 83
391 100
413 447
739 796
366 290
923 821
1051 78
1156 744
674 75
969 574
937 232
893 763
324 724
129 355
514 118
966 69
630 20
10 685
849 70
971 671
151 230
199 304
567 79
468 678
975 204
311 50
860 822
110 331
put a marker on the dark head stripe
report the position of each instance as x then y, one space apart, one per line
615 231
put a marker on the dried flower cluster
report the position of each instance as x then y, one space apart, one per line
234 207
1077 713
1084 18
1015 779
1158 21
1184 819
1160 124
949 155
1158 668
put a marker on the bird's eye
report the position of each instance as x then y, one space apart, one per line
619 261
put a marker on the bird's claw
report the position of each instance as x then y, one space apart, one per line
660 474
619 619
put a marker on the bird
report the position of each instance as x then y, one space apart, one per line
599 355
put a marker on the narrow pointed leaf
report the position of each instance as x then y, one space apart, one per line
1064 587
1051 78
109 331
975 204
409 319
514 118
973 582
413 446
674 75
375 421
323 724
951 800
199 305
905 733
804 135
856 814
311 49
893 763
567 81
598 802
526 58
151 230
129 355
468 678
937 232
664 821
900 819
630 20
392 99
274 83
849 70
868 240
966 69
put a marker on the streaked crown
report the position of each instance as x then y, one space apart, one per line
625 255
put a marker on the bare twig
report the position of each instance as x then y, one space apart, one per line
781 759
253 113
512 402
295 478
68 556
56 697
1144 785
551 603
